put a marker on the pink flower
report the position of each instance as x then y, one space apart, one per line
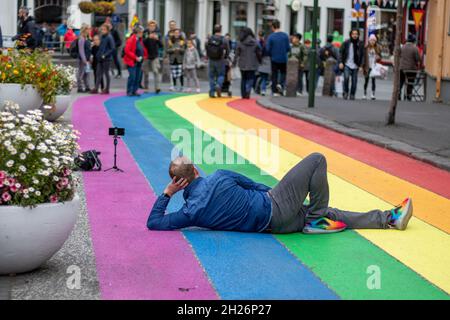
60 186
54 198
2 175
65 181
6 197
13 188
66 172
11 181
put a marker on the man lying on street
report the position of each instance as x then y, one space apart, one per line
229 201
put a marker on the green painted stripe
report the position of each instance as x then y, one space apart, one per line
342 260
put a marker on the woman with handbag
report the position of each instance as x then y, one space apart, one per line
373 55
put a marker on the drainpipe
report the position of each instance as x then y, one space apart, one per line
442 11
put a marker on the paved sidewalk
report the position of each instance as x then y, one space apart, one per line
422 130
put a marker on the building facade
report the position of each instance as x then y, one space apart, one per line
437 61
295 15
199 15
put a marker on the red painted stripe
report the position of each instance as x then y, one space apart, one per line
396 164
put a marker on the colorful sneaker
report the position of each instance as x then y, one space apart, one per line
324 225
401 214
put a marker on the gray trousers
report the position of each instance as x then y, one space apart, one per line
309 176
151 66
191 77
82 76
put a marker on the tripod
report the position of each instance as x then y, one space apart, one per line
115 167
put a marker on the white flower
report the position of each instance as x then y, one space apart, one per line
31 189
55 178
23 169
23 156
25 191
38 193
10 163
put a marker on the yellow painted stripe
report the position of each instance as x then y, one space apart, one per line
429 206
423 248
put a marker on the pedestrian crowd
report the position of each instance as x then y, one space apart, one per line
260 62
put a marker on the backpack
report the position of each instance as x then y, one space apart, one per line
88 161
73 50
214 48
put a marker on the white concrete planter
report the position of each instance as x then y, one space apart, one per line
29 237
27 97
61 105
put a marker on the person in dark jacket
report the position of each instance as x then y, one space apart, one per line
278 46
84 59
409 64
248 58
351 59
104 58
153 44
332 52
94 61
27 35
229 201
135 53
217 50
118 43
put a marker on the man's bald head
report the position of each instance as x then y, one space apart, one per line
182 167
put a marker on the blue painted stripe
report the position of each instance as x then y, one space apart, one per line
240 265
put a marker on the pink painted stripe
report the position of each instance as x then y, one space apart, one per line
132 262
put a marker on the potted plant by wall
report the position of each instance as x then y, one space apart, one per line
65 81
38 201
27 78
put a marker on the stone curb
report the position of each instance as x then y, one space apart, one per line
387 143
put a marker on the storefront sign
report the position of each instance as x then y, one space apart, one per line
373 19
418 17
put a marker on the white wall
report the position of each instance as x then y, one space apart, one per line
283 14
8 17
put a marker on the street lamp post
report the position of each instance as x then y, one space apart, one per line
313 57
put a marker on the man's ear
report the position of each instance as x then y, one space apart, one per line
196 173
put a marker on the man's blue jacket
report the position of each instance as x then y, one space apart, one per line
224 200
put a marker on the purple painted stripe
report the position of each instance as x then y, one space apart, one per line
132 262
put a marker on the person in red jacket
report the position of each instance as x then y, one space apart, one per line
135 53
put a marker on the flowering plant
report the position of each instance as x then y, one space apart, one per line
30 67
66 79
36 159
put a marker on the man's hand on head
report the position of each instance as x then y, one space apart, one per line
174 186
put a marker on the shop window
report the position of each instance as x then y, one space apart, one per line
259 21
188 15
238 17
309 23
335 21
159 14
293 21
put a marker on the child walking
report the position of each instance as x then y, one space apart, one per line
190 63
176 49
